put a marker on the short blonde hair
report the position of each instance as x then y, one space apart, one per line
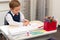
14 3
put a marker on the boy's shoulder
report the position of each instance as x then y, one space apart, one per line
21 13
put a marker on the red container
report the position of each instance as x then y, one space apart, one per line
49 26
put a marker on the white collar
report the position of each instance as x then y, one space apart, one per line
12 13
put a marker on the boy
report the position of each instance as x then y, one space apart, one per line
14 17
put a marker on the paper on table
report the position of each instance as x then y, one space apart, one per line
23 29
37 32
4 29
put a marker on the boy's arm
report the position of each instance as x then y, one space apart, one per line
11 21
22 17
25 21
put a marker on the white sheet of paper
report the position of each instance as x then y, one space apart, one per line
23 29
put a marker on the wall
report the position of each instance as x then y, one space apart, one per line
26 8
3 10
54 9
40 10
33 9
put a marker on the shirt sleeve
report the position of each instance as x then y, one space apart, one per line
11 21
22 17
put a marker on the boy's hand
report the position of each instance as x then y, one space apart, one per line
25 22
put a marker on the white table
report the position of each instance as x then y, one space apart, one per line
6 34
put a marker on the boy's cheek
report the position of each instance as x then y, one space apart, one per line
15 12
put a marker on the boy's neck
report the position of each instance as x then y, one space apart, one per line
13 13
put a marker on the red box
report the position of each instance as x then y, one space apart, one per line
49 26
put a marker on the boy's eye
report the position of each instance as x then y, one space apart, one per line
17 10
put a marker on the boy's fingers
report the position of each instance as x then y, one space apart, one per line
26 22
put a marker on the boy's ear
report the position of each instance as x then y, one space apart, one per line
11 9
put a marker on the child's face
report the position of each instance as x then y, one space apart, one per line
16 10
